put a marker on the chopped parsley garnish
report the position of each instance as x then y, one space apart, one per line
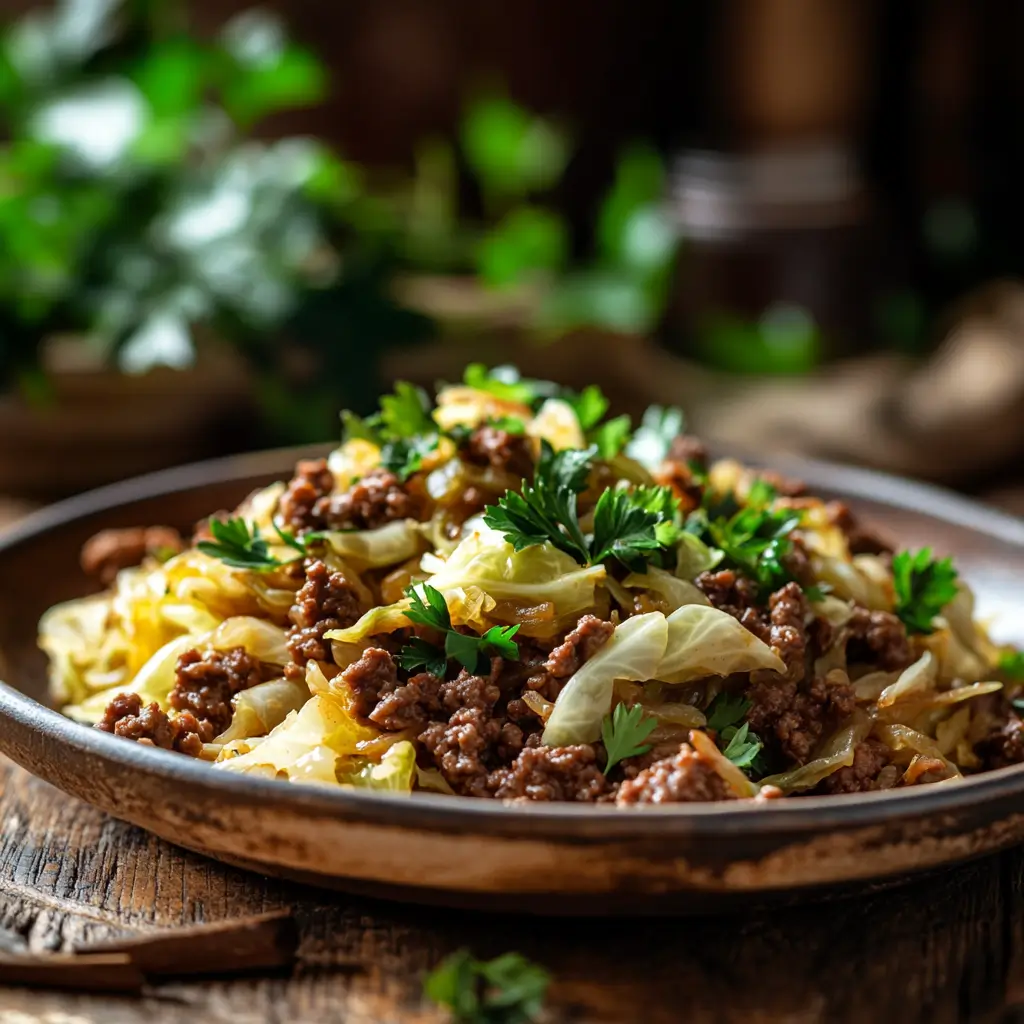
653 438
506 990
755 539
610 437
403 429
630 526
470 651
589 405
924 586
736 741
242 546
624 733
504 382
1011 663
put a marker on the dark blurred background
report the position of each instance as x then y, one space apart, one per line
799 220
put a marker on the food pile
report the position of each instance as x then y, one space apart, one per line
506 594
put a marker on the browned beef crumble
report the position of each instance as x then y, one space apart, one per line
791 719
463 749
312 482
551 773
327 600
108 552
127 718
376 500
870 756
579 646
683 778
787 631
861 539
205 682
501 449
878 638
1003 746
736 595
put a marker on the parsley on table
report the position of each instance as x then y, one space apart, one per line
428 608
630 526
725 715
652 440
506 990
624 733
1011 663
924 586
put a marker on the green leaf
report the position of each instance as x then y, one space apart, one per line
507 990
639 182
406 413
652 440
924 586
527 241
727 709
611 437
498 640
1011 663
511 152
418 653
405 456
742 746
624 733
624 529
590 405
296 78
503 382
240 545
172 76
432 612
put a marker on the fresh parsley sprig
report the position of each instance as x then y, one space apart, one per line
241 545
725 715
429 608
630 526
624 733
403 429
924 585
506 990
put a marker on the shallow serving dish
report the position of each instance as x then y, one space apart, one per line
550 858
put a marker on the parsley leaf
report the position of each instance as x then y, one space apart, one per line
630 526
727 709
406 413
659 427
589 405
503 382
624 733
1012 664
610 437
404 456
924 586
506 990
470 651
237 544
742 746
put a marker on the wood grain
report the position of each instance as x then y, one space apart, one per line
946 948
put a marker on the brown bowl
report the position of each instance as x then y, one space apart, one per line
552 858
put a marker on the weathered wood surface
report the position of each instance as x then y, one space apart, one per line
945 948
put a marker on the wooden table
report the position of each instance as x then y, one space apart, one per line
945 948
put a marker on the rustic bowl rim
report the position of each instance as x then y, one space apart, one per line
451 813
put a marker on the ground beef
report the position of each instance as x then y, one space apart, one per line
878 638
861 540
492 446
590 634
869 758
126 717
312 482
327 600
375 500
463 749
369 678
109 551
683 778
551 773
409 706
205 683
1003 746
791 719
787 632
730 592
689 450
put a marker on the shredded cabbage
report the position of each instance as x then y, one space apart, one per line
632 652
395 773
674 591
263 707
375 549
703 641
834 754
